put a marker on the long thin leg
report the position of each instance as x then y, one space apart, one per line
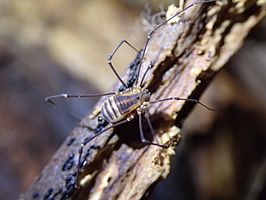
142 137
145 73
87 140
63 95
147 116
183 99
111 57
159 26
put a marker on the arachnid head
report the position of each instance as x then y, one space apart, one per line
145 95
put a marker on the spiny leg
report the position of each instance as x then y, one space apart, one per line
183 99
159 26
142 137
87 140
111 57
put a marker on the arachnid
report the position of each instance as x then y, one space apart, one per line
122 107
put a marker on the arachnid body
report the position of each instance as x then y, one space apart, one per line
122 107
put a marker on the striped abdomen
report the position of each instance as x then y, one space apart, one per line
118 106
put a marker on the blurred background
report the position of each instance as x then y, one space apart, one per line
49 47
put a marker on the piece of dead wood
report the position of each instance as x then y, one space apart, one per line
186 56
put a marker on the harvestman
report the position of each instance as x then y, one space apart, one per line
122 107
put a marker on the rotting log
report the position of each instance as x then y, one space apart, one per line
186 56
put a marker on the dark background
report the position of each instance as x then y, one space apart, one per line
49 47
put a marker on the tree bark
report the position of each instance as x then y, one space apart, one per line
186 55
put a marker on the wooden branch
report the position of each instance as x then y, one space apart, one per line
186 56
